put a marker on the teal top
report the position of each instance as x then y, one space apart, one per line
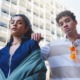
31 68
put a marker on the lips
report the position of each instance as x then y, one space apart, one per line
67 30
13 29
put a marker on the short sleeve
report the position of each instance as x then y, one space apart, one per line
45 51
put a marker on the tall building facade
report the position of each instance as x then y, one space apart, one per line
41 13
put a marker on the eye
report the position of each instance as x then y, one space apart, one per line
60 24
20 22
11 22
67 20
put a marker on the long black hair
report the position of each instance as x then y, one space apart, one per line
27 35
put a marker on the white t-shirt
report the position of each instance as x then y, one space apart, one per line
58 55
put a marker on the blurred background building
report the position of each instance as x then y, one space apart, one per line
41 13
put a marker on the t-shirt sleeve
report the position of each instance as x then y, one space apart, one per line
45 51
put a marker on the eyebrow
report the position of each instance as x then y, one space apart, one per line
65 19
17 20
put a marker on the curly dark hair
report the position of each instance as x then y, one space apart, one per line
65 13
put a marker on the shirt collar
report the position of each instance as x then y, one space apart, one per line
67 40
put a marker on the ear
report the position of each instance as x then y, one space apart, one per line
76 22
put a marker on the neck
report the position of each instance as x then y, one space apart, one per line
73 37
16 40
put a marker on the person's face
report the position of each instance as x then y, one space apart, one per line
17 26
67 24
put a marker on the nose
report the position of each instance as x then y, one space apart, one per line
65 25
15 23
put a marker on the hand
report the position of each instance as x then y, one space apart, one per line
36 36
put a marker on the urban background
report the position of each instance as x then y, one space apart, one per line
41 13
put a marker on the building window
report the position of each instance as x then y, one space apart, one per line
52 32
2 39
35 13
4 11
14 2
7 0
36 25
29 0
41 26
3 24
28 10
11 13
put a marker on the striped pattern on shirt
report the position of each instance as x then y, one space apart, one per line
61 66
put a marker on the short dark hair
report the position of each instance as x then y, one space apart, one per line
27 35
65 13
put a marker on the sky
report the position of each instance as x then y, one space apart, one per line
74 6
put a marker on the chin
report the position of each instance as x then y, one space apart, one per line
69 33
14 34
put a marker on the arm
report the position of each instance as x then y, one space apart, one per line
45 51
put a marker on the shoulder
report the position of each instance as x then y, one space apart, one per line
57 42
53 43
4 49
31 44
